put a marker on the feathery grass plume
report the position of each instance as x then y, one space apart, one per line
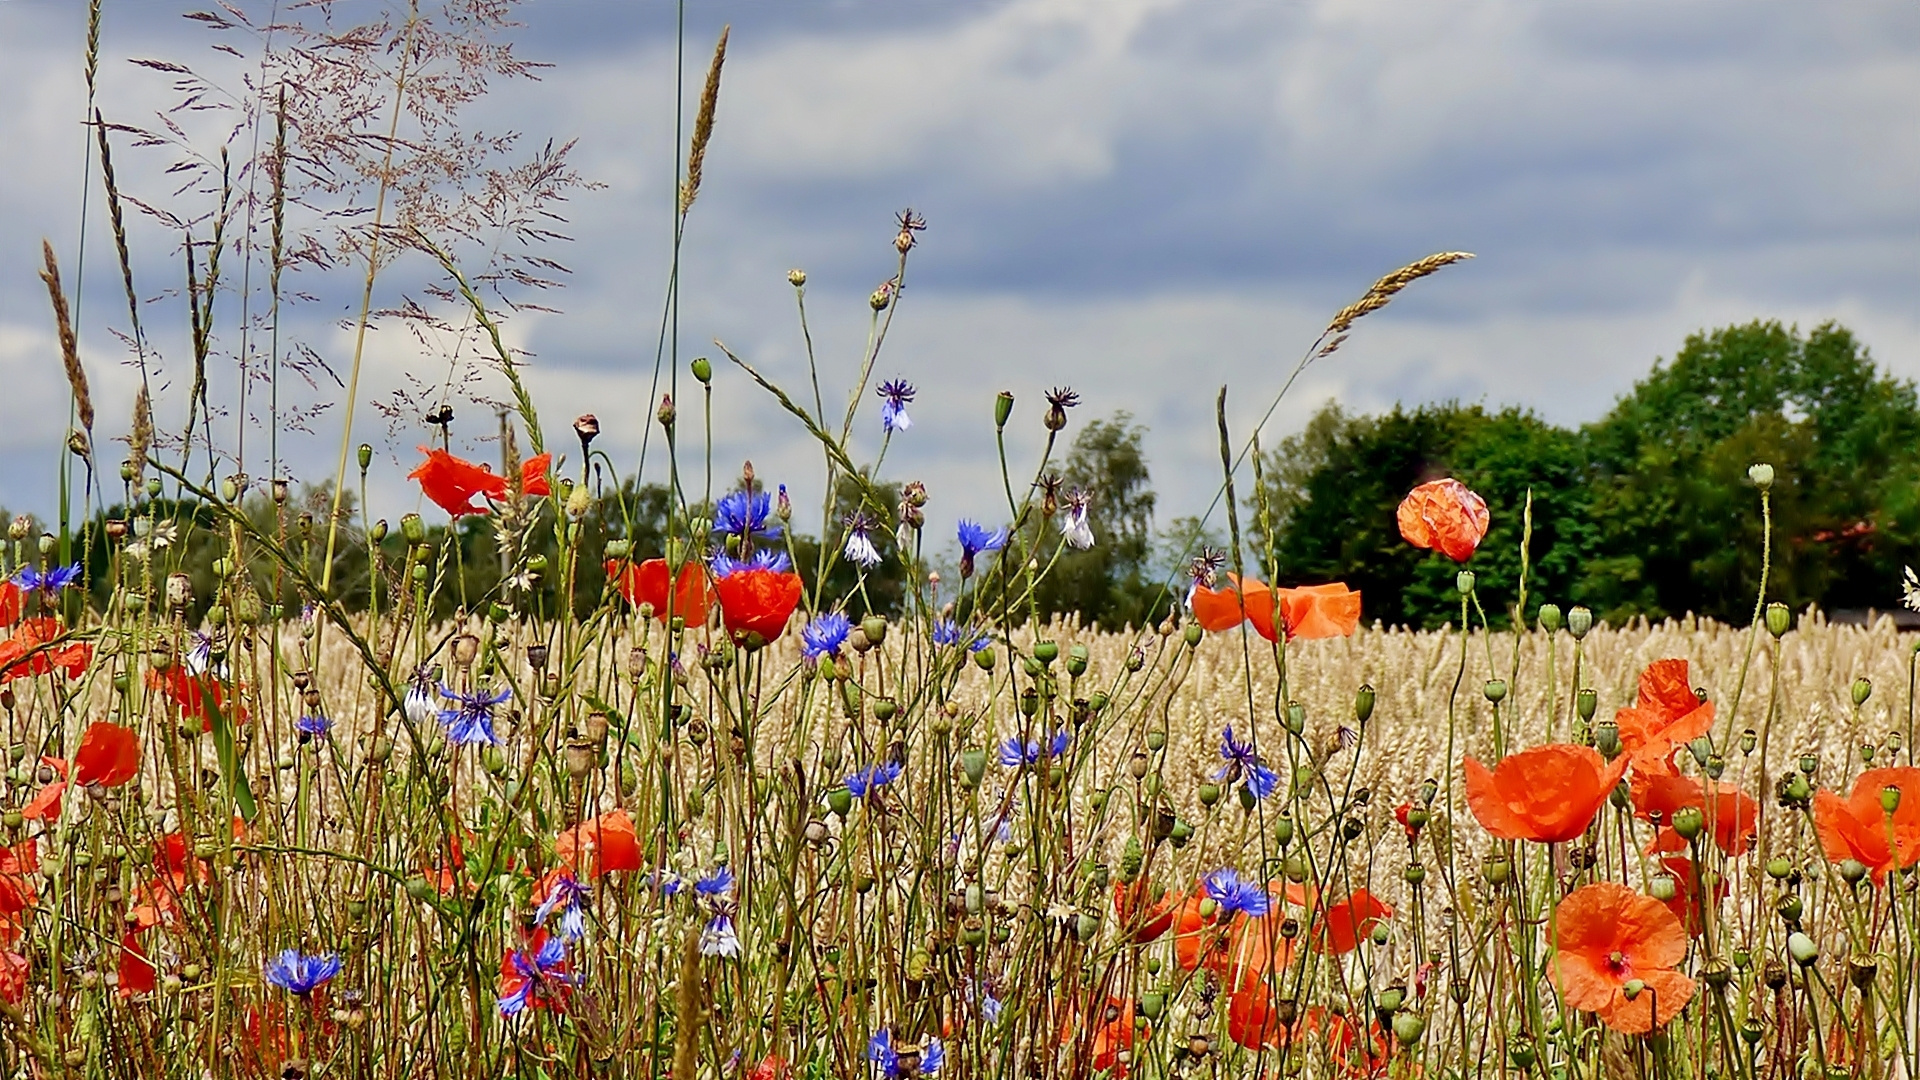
140 440
703 123
1382 291
69 343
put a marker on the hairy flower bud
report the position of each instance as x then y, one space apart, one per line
666 413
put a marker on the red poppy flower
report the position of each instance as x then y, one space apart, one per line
452 482
599 846
1314 611
1258 1022
1859 828
31 651
19 866
1610 936
191 694
1340 929
175 860
13 978
1668 714
532 977
1114 1035
1403 814
136 971
756 603
45 805
771 1067
13 602
1547 794
1142 920
109 755
1733 816
1240 950
533 475
647 584
1445 516
1685 882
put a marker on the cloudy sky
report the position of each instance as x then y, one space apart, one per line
1142 199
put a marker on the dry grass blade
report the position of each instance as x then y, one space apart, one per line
69 344
141 439
1382 291
703 123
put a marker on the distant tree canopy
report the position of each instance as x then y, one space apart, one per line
1646 511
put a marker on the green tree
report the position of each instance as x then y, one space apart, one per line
1109 584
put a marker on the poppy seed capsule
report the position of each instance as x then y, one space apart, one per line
1579 621
1862 690
1002 408
1779 620
414 528
1890 799
1587 702
1496 690
1802 949
1363 699
1549 617
1761 474
1463 581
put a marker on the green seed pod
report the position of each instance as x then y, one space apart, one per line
1153 1003
1209 794
1098 701
1550 618
1182 832
1363 703
840 801
1890 799
1579 621
1076 660
1046 651
1778 868
366 456
1248 800
1790 907
1191 634
1853 871
1463 581
1802 949
1136 660
1779 620
973 765
1663 887
1606 739
1156 741
1408 1027
418 888
984 659
1587 702
414 528
1497 870
884 709
1002 409
1086 926
1496 690
1862 690
1295 717
1688 821
875 627
703 370
1283 831
1414 874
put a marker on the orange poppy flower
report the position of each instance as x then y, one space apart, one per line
1114 1035
756 603
1340 929
1224 609
1734 814
1242 949
1857 827
533 476
1610 936
1254 1020
13 602
599 846
1547 794
1668 714
1142 921
647 584
31 651
1444 516
109 755
45 804
1685 882
192 693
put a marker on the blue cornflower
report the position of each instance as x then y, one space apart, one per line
50 582
472 722
948 632
200 660
893 410
1014 753
872 778
313 726
718 937
745 514
720 881
895 1062
298 973
534 975
859 546
1243 763
763 559
1232 894
976 539
567 896
824 635
420 702
669 883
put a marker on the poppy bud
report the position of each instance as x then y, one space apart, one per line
1579 621
1002 409
666 413
1496 690
1862 689
1802 949
1363 703
1761 474
1550 619
1463 581
1779 620
1701 748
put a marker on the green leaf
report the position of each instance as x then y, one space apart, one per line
230 769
